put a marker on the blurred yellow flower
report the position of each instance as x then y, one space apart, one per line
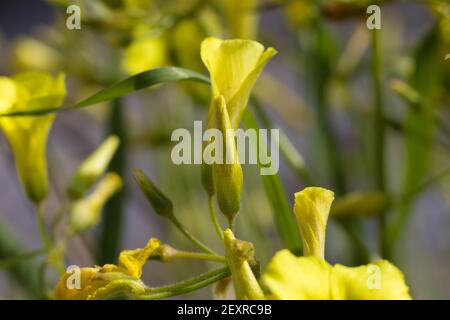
44 58
234 66
312 278
27 135
242 16
144 54
86 212
110 280
93 167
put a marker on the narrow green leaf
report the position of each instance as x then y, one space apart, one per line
132 84
420 121
282 211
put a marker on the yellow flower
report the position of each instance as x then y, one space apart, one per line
234 66
110 280
312 278
86 212
143 54
27 135
93 167
312 206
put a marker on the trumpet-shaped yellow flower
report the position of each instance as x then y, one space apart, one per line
27 135
312 207
234 66
110 280
312 278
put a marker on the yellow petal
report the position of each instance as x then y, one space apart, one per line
375 281
132 261
311 278
88 285
312 207
298 278
234 66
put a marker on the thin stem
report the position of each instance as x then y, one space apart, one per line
42 228
197 256
380 135
188 285
214 219
232 222
191 237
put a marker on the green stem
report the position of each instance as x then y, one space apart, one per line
214 219
185 286
40 219
197 256
191 237
380 136
113 211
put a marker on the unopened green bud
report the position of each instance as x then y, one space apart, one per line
227 176
206 169
86 212
159 202
92 168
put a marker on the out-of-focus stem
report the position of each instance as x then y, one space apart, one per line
379 142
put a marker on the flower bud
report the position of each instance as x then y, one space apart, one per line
160 203
86 212
227 176
92 168
312 207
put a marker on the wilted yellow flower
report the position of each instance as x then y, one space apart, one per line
312 278
312 206
110 280
234 66
27 135
86 212
143 54
93 167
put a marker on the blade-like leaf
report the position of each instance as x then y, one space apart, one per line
132 84
282 211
